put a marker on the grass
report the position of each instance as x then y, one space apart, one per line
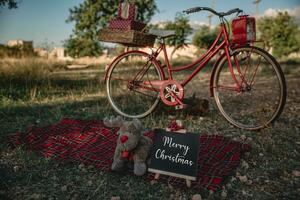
39 92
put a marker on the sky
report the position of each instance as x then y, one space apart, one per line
44 21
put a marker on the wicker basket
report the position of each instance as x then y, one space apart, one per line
127 37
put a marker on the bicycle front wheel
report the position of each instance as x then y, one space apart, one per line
129 87
261 96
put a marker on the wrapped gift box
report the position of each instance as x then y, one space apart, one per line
127 37
121 24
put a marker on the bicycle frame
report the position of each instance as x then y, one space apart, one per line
203 60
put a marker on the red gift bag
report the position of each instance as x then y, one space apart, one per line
127 11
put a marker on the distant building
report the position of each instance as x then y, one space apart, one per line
20 43
40 52
59 53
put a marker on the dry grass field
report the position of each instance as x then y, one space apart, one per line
41 92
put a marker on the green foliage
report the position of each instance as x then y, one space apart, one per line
280 33
182 29
11 3
205 37
90 16
83 46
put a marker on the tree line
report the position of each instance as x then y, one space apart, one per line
10 3
281 34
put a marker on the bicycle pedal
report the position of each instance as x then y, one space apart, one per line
181 107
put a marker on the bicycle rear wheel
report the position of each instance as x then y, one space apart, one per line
262 95
126 91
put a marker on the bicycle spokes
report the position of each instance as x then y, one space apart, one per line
262 89
246 65
128 94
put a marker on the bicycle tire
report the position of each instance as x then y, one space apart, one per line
132 101
245 109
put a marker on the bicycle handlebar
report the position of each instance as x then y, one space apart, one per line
221 14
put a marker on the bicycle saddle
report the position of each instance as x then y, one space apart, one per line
162 33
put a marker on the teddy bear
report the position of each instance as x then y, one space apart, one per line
132 145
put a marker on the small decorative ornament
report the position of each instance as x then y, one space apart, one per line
176 126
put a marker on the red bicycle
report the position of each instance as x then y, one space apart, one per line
246 82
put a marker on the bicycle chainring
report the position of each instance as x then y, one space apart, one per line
171 90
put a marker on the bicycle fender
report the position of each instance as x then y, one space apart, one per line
156 63
216 65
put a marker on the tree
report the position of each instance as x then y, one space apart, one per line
11 3
205 37
182 29
90 16
280 33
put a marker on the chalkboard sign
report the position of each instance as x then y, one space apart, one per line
175 154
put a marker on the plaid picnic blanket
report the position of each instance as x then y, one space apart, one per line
92 143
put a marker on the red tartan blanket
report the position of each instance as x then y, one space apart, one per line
91 143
